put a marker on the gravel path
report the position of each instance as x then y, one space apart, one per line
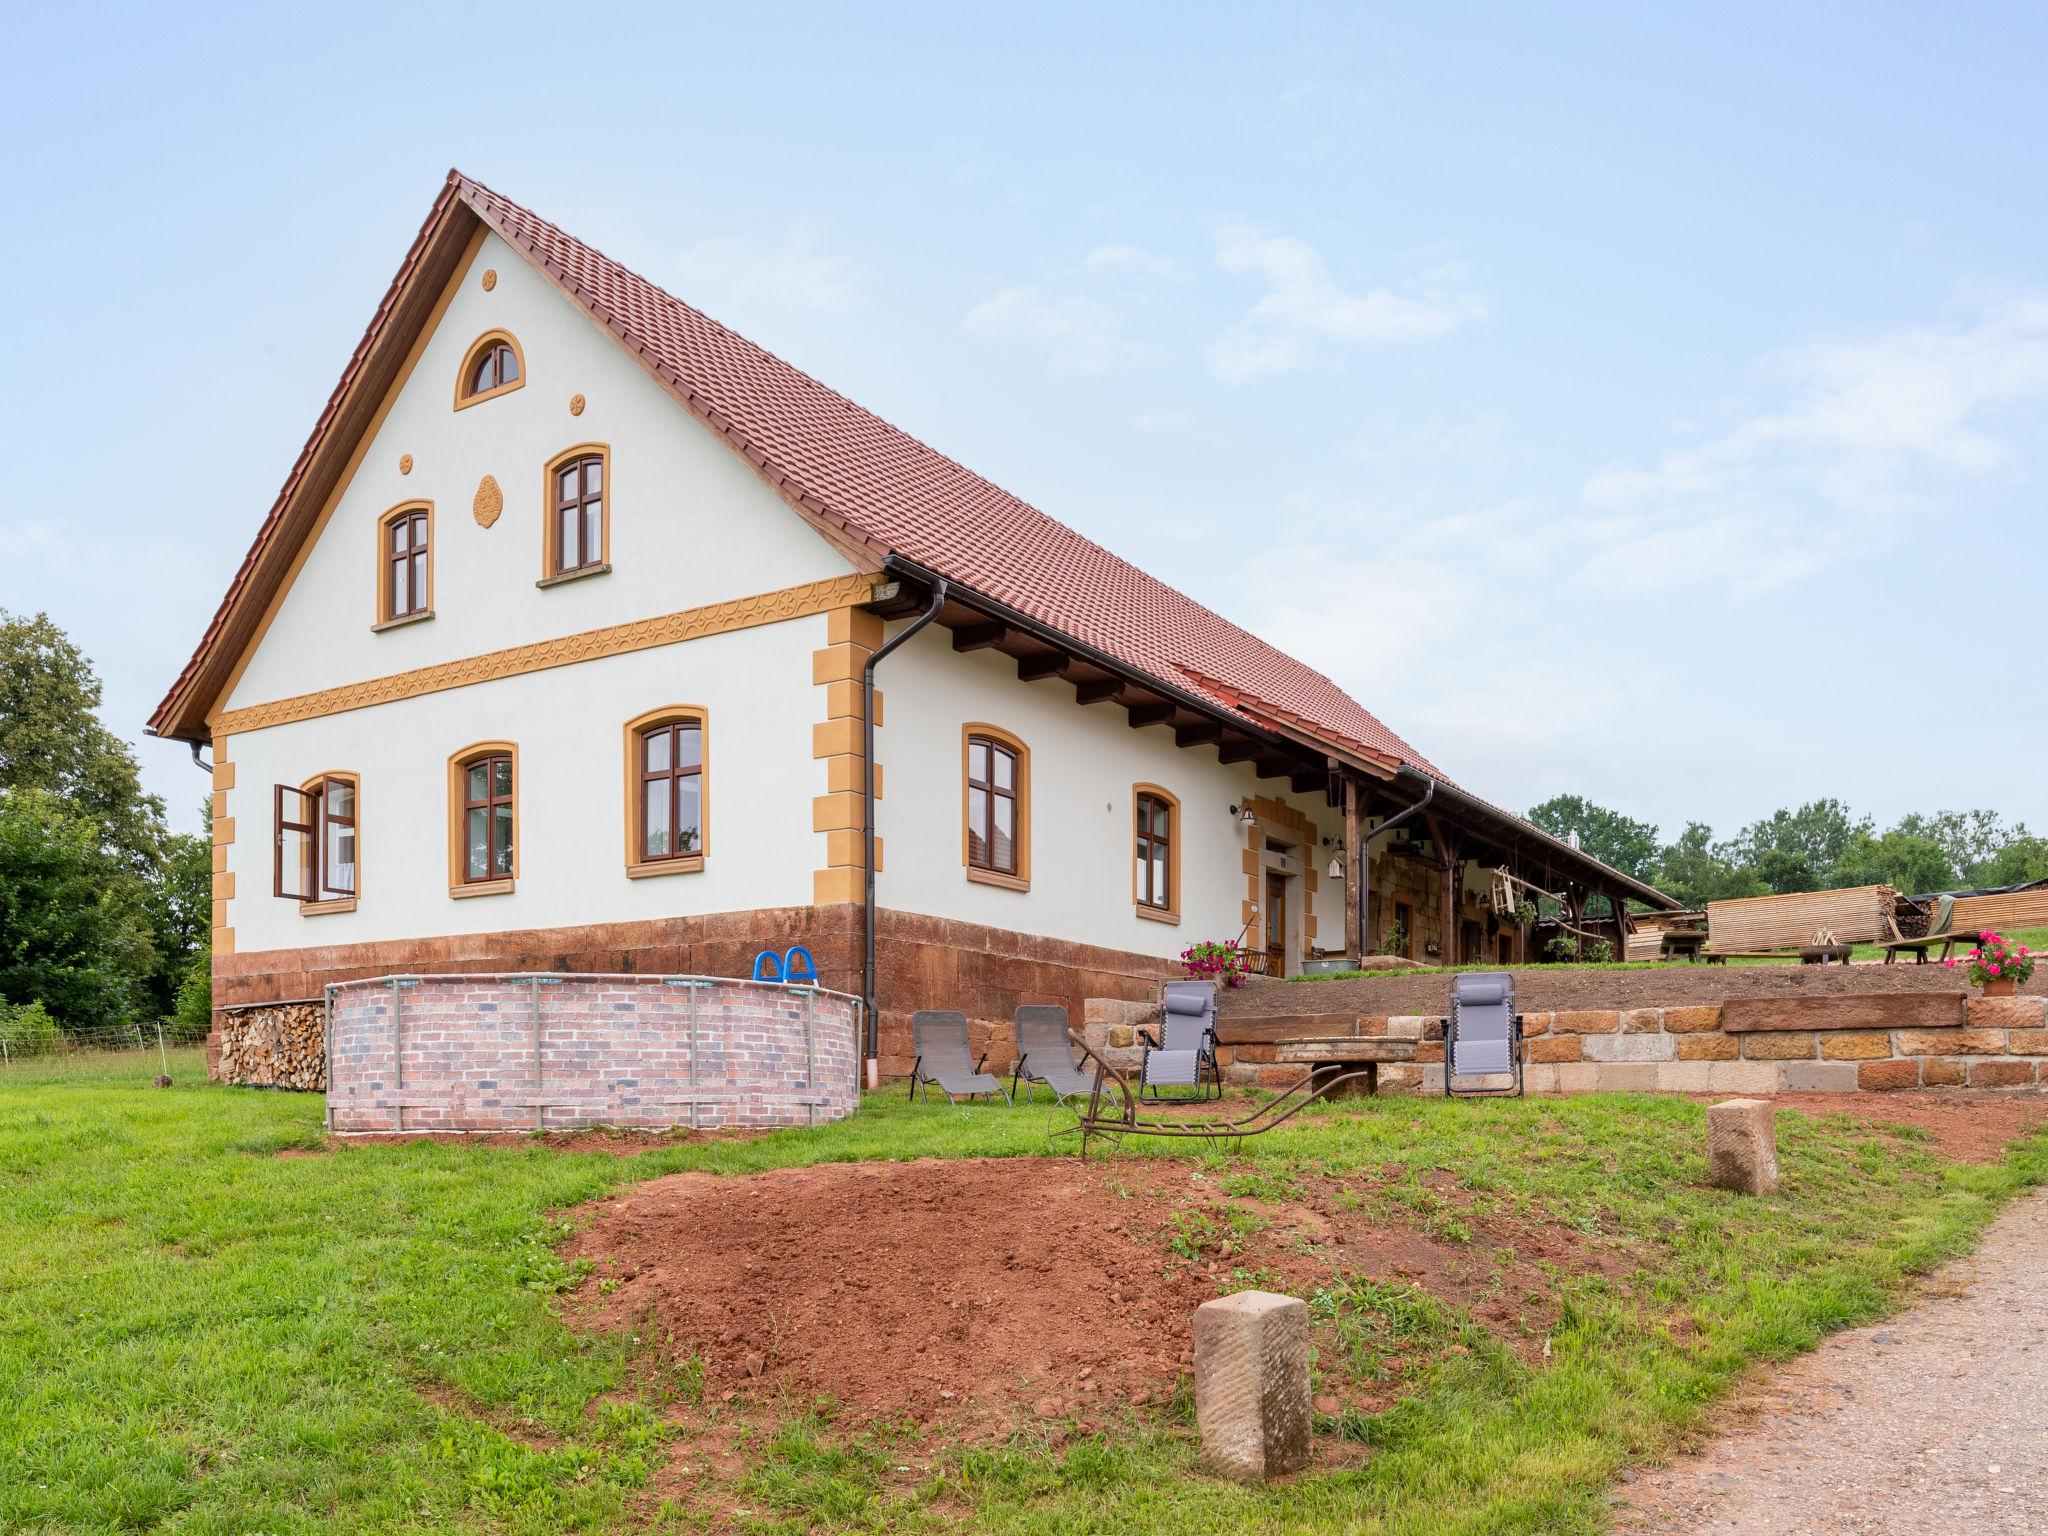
1934 1422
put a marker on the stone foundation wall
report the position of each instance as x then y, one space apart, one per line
921 962
553 1052
1839 1044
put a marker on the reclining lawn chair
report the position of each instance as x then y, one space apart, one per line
1483 1036
1185 1055
1941 930
1043 1055
940 1038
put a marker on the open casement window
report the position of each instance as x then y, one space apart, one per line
991 805
488 819
995 807
1155 873
316 841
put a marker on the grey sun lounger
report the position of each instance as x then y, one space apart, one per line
940 1038
1184 1056
1043 1054
1483 1037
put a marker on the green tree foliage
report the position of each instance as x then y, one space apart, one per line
1698 870
2024 858
1785 871
51 739
69 938
1614 839
1819 832
1906 861
80 821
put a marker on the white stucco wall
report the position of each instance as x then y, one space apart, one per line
690 523
1084 762
569 724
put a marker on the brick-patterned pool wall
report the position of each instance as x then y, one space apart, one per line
555 1052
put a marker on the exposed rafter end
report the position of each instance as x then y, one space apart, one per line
979 637
1152 714
1198 735
1032 669
1237 749
1096 691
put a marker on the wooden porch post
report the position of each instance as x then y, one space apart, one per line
1354 878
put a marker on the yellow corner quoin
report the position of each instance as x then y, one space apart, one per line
614 640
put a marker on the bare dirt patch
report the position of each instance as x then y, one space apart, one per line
1967 1127
981 1292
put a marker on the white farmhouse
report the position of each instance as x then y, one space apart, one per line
558 648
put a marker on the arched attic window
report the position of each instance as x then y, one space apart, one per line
494 366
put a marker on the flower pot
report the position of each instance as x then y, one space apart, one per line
2000 986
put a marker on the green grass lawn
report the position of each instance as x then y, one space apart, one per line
199 1335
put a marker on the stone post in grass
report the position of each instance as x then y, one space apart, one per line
1251 1384
1742 1147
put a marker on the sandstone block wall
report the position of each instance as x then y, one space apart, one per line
1792 1045
554 1052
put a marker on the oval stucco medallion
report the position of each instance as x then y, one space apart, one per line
490 279
490 501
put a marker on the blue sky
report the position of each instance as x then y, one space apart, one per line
1648 402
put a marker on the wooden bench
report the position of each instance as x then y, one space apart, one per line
1805 954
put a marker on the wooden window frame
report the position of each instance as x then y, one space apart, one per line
1021 838
316 896
387 615
552 572
1151 910
459 884
637 865
464 399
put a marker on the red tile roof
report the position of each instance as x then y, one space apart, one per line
877 485
899 497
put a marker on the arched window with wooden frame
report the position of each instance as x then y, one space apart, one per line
405 564
317 843
494 365
1155 863
667 791
577 498
483 819
995 806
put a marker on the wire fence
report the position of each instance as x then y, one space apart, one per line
31 1042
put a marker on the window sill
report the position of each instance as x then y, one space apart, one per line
688 864
996 877
322 908
602 568
481 888
1155 914
402 620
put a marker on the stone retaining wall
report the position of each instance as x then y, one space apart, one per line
557 1052
1839 1044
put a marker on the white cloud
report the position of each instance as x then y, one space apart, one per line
788 271
1871 433
1128 261
1078 333
1304 314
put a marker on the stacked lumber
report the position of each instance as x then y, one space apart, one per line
2004 912
272 1045
1859 914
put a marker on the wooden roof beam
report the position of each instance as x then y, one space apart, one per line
979 637
1238 749
1032 669
1095 690
1157 712
1198 735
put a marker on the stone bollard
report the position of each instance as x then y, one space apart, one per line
1742 1147
1251 1384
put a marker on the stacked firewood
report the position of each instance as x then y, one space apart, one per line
273 1045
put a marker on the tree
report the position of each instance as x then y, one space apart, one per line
1785 871
1614 839
69 939
2024 858
1818 832
51 739
1906 861
1971 840
1697 870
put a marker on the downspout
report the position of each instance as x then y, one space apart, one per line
198 762
871 1050
1365 843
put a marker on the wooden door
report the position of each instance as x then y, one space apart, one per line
1276 923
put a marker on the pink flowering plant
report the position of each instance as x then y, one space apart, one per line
1996 960
1213 961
